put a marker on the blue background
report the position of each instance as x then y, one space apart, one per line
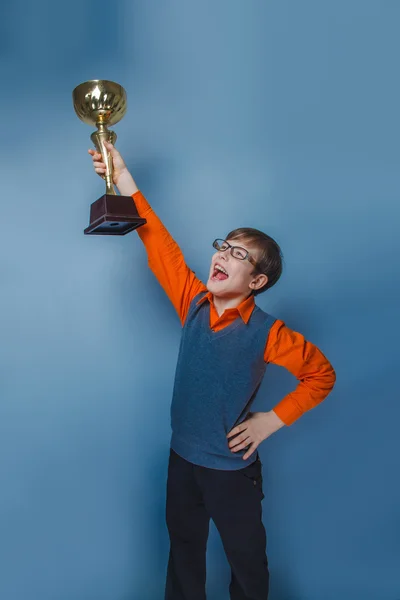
282 115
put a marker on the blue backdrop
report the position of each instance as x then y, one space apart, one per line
275 114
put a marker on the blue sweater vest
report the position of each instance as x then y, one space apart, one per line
218 375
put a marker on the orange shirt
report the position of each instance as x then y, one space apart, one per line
284 347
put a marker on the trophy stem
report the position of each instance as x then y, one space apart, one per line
98 138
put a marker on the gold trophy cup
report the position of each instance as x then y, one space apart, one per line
101 103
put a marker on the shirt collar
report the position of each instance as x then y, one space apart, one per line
245 308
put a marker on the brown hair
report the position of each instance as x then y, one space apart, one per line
270 256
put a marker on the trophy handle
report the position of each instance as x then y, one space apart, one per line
98 138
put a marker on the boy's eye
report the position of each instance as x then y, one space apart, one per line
224 246
240 253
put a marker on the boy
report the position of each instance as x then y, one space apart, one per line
214 469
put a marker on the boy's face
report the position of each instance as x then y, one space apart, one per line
231 277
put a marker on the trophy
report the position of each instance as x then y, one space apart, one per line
101 103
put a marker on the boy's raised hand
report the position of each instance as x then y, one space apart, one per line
121 176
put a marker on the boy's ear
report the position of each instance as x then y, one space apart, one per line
259 281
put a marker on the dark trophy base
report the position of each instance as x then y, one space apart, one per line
113 215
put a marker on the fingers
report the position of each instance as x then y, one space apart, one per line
242 446
111 149
98 164
237 429
250 451
237 440
99 167
95 155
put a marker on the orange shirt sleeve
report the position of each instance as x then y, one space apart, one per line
166 260
306 362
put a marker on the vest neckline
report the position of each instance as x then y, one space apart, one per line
226 330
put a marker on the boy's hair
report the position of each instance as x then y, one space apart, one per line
270 257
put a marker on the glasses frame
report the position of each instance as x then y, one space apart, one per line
232 248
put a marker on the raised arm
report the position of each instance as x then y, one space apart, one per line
165 258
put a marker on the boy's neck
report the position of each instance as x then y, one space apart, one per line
222 304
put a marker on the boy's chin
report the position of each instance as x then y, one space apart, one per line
217 288
222 290
214 286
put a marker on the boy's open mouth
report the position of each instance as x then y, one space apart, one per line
219 273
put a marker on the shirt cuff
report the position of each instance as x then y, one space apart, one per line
287 411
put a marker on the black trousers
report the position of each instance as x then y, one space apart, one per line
232 499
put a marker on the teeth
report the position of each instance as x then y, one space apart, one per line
221 269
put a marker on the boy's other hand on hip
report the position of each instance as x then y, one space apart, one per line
254 430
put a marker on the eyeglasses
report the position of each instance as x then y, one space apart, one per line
236 251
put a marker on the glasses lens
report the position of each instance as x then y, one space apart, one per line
220 245
239 253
